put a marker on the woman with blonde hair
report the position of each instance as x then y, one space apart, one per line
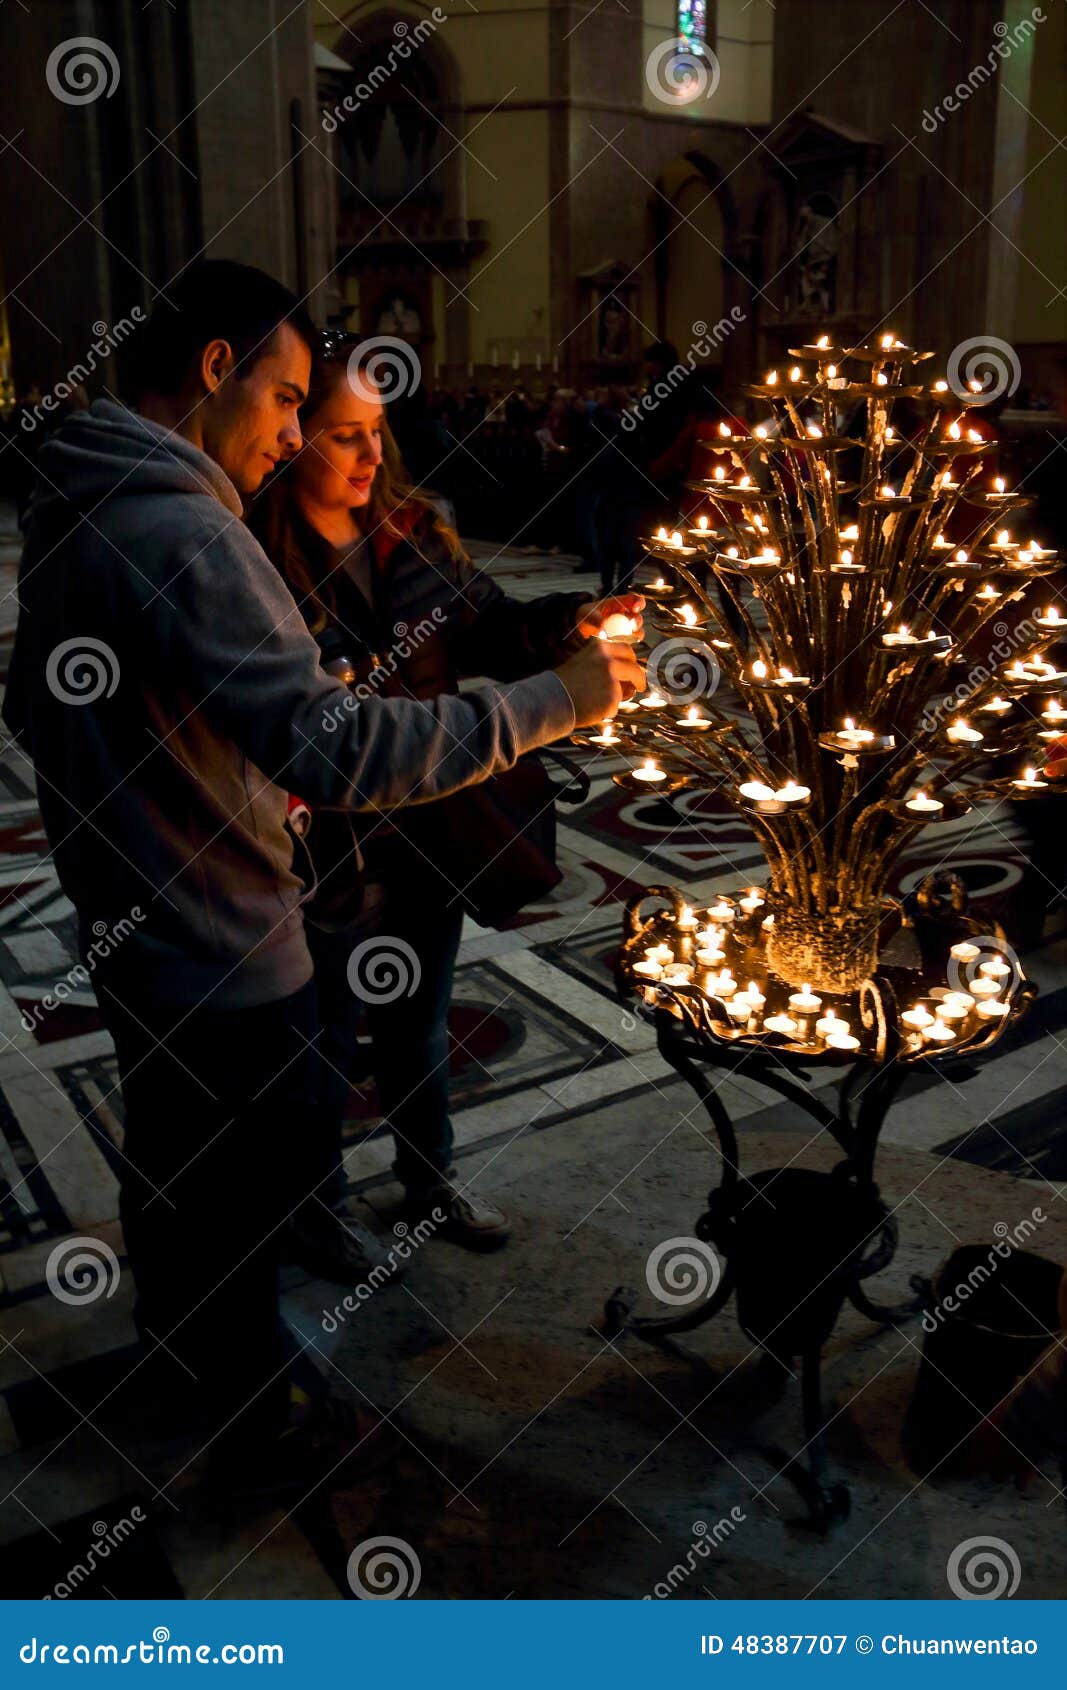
398 610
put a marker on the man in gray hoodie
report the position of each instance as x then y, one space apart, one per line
171 697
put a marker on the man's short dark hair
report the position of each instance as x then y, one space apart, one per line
214 300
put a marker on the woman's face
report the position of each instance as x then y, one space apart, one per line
342 449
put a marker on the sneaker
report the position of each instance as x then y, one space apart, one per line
332 1244
330 1444
469 1220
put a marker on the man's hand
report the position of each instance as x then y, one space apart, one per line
598 678
594 613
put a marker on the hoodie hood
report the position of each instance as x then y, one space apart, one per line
110 451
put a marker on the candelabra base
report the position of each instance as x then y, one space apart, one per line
831 953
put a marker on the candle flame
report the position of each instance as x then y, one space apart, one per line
772 377
759 669
795 373
823 342
999 484
724 430
702 522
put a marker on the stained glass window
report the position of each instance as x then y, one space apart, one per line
693 20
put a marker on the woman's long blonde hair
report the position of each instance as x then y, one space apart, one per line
395 509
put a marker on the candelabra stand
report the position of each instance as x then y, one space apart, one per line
797 1244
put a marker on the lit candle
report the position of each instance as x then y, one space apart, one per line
923 805
660 954
842 1041
780 1024
854 736
608 737
649 771
997 706
693 719
721 985
1054 711
652 700
1002 540
938 1032
755 997
756 792
648 969
688 615
710 956
752 900
953 1012
960 733
992 1008
739 1008
917 1018
791 793
823 342
1051 618
887 492
618 627
983 987
805 1002
995 968
722 911
1029 782
965 951
902 636
830 1023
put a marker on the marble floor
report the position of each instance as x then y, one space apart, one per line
542 1457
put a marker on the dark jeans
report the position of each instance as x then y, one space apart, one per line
217 1120
409 1035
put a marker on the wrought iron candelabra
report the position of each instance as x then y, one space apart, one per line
823 586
